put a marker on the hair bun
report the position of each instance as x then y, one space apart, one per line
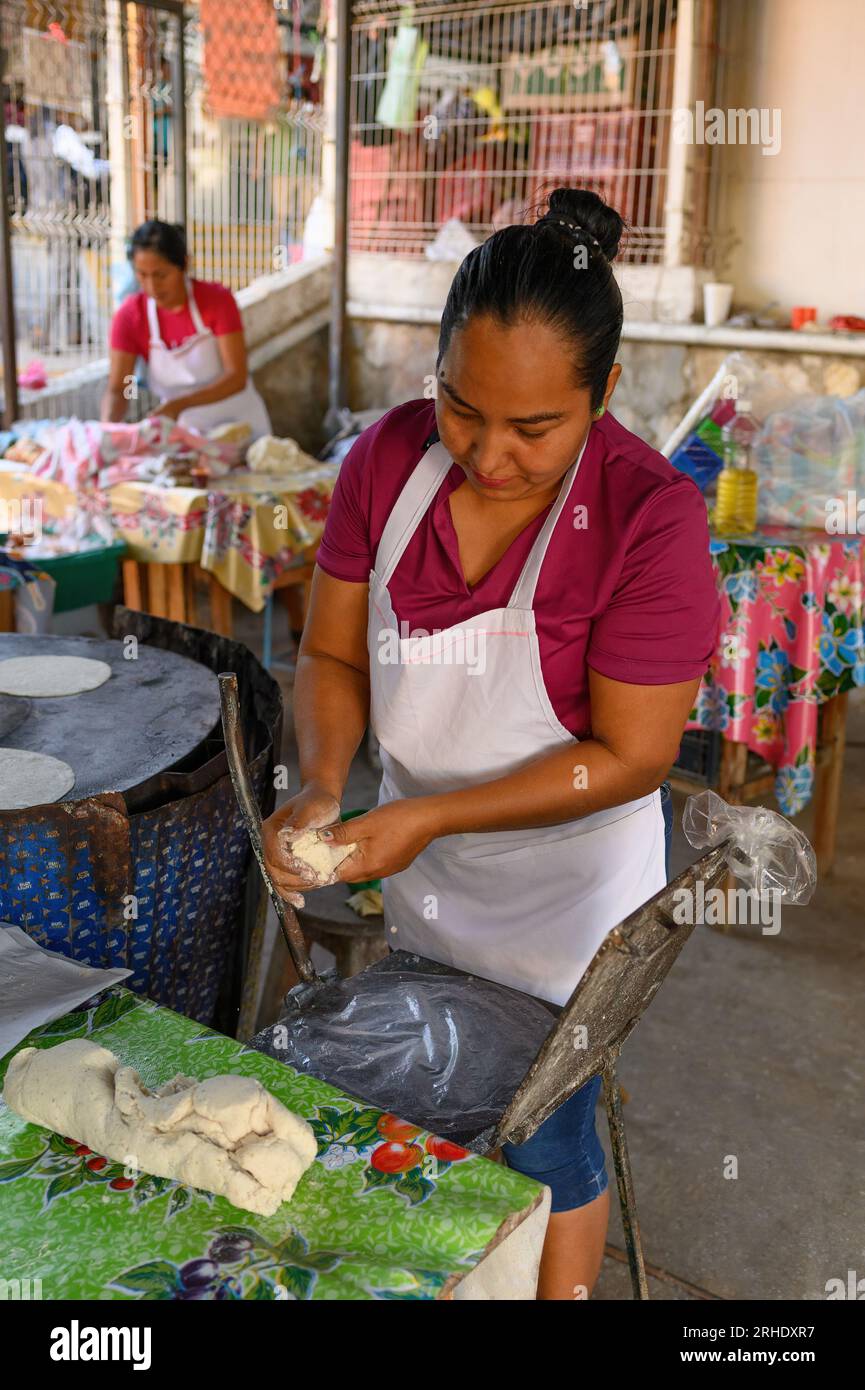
591 212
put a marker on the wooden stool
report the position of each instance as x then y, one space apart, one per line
355 941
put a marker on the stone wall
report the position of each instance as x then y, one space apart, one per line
391 362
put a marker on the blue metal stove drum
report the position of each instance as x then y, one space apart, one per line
145 864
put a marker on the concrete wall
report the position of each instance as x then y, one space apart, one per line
388 364
799 214
286 319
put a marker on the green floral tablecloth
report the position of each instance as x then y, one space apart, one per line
385 1212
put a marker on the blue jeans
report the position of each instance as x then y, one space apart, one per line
566 1153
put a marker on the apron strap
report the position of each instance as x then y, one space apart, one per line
153 321
410 507
194 314
524 590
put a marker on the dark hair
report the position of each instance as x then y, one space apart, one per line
167 239
529 272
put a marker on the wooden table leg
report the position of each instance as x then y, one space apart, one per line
220 607
133 588
732 776
176 593
158 599
733 770
191 595
827 790
7 610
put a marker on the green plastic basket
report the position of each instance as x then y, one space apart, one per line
83 579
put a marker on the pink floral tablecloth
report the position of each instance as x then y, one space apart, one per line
791 638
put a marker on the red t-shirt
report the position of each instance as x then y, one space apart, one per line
632 595
217 306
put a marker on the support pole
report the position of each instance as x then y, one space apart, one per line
336 356
119 147
178 106
7 294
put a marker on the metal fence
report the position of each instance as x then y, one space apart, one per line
117 112
475 109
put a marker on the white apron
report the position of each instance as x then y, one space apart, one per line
173 372
525 907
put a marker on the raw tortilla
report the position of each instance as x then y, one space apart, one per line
32 779
313 859
47 676
226 1135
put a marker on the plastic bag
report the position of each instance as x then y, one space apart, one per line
767 853
444 1051
809 452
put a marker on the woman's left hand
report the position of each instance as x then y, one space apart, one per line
388 839
170 408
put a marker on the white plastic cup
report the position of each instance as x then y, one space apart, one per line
717 299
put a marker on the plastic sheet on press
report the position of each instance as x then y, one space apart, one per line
767 853
444 1051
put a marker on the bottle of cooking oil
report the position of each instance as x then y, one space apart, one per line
736 502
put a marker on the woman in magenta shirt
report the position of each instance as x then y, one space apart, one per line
516 592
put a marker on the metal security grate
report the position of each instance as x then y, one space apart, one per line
475 110
118 112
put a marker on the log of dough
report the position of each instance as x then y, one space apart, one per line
46 677
32 779
226 1135
311 858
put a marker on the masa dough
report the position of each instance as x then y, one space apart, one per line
226 1135
272 455
313 859
233 432
32 779
47 676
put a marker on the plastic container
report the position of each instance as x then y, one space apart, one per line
85 578
696 458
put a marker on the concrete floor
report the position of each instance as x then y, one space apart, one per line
751 1049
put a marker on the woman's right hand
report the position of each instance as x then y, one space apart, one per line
311 808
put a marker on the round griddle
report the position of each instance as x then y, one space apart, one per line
152 712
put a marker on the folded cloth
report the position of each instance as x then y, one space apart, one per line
79 452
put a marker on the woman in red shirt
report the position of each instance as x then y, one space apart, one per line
516 592
190 335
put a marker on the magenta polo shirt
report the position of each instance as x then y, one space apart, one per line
632 595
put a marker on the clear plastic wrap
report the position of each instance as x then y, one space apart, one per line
767 853
446 1051
807 453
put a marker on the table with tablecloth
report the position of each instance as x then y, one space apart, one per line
791 641
246 529
371 1219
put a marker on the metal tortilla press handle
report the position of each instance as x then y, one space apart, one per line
243 790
